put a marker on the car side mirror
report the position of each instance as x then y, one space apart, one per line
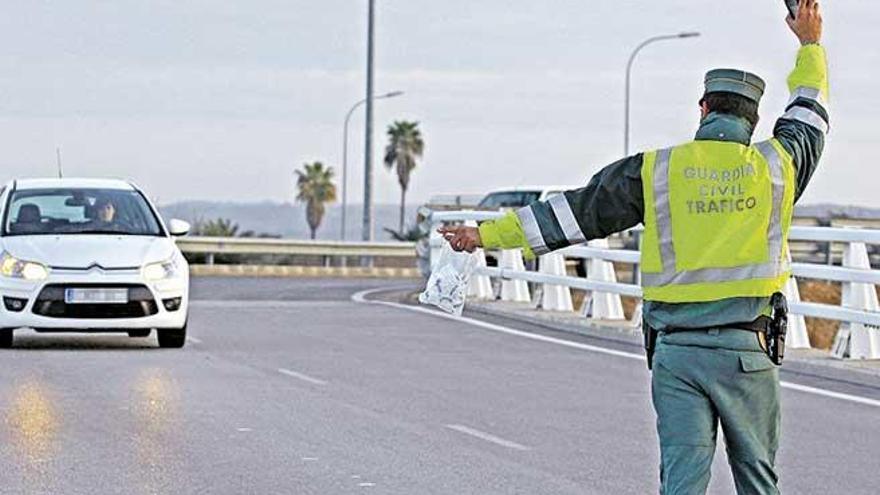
178 227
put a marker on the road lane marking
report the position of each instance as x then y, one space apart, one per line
488 437
193 340
264 304
300 376
831 394
360 297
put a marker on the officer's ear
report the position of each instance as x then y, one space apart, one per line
704 109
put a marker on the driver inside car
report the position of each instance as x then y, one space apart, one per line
103 215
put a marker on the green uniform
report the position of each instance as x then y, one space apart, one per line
702 377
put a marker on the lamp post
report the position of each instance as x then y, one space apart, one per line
629 65
345 153
367 232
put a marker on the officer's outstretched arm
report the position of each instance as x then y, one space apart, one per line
803 127
612 201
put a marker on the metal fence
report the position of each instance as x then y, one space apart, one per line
859 337
326 250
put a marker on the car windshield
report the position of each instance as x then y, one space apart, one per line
79 211
510 199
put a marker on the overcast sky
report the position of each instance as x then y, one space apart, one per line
222 100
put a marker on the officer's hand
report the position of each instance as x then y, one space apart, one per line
462 238
807 26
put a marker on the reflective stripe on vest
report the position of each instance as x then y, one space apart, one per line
777 264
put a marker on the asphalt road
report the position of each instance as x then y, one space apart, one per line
289 386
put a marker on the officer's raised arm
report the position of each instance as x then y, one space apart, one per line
802 129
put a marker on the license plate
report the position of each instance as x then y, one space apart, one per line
96 296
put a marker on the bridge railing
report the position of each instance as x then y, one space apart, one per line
327 250
859 337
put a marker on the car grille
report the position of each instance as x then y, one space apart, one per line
51 303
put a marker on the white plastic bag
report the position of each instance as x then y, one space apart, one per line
448 284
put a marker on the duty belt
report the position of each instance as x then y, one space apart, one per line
770 331
759 325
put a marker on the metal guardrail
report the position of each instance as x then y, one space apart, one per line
239 245
798 232
802 270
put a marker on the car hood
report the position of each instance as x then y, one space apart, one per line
84 251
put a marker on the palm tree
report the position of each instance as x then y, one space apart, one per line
316 187
404 147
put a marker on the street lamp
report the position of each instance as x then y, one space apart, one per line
345 152
367 229
629 65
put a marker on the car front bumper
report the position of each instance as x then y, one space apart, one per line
159 291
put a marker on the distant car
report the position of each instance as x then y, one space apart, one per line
90 255
518 197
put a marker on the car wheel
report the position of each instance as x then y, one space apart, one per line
139 333
172 339
5 338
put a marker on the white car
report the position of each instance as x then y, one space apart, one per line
89 255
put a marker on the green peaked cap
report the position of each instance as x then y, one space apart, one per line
735 81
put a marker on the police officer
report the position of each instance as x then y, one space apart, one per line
717 213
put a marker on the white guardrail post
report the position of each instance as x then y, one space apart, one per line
513 290
602 305
797 337
554 297
480 286
435 241
856 340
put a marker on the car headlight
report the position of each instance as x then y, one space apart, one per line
161 271
12 267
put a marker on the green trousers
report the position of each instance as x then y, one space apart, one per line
703 378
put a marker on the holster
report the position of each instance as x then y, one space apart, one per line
777 329
650 336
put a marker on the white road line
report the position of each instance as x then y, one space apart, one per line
360 297
300 376
482 435
193 340
264 304
829 393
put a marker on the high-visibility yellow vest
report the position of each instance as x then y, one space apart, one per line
717 217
